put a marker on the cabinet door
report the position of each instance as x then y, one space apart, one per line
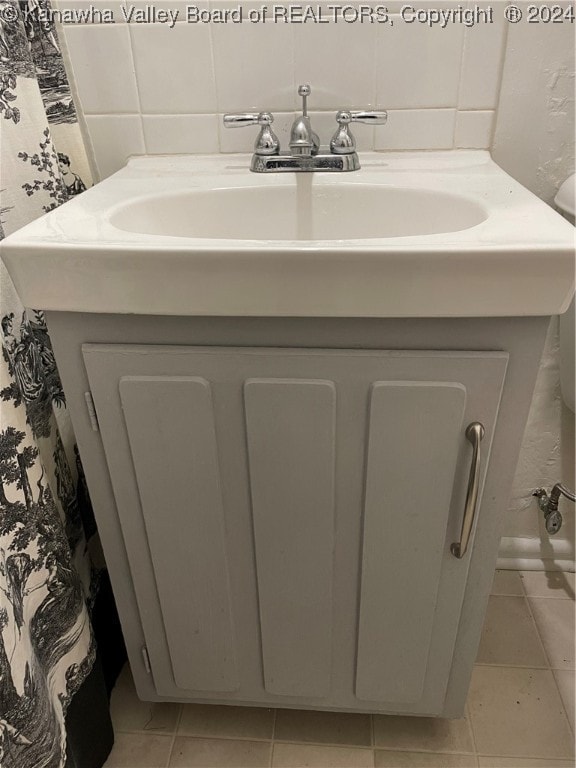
288 515
413 444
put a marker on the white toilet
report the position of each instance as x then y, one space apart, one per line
565 202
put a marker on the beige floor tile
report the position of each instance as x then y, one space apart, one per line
224 721
555 622
423 733
130 714
219 753
509 636
548 584
313 756
139 750
323 727
522 762
386 759
507 583
566 681
518 712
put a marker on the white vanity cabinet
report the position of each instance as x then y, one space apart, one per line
288 514
273 411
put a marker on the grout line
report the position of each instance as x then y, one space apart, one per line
549 597
214 80
365 748
512 666
501 69
468 715
137 82
505 594
431 752
523 757
175 734
273 736
112 114
214 737
463 56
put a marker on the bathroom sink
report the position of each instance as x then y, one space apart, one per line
430 234
305 211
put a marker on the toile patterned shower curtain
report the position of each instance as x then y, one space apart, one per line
47 580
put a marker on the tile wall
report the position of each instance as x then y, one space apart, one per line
153 88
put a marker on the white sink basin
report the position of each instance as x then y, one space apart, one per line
306 210
434 234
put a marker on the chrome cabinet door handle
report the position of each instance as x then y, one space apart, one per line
475 434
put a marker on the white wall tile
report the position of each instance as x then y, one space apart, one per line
180 134
343 75
115 6
103 69
395 6
417 129
482 64
242 139
474 129
165 5
174 68
254 65
204 70
114 139
418 66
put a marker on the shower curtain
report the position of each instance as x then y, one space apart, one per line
47 576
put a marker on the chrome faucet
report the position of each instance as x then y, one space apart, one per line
305 154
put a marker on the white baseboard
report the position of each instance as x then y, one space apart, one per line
518 554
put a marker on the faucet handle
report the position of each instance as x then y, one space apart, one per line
267 143
363 116
343 142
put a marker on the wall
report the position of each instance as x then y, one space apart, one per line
149 88
534 142
145 88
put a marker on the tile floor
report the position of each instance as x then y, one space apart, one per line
520 711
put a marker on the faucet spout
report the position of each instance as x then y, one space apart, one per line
303 140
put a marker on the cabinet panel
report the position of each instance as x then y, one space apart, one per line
414 436
291 432
306 455
170 426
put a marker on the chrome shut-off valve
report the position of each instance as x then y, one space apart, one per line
549 506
